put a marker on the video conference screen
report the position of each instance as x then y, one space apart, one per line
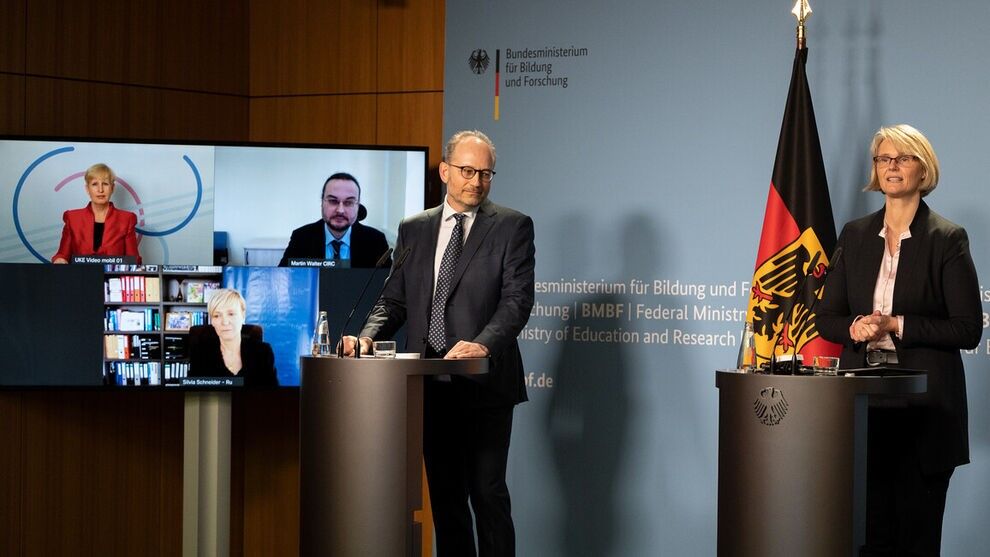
211 263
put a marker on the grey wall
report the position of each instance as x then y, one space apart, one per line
653 164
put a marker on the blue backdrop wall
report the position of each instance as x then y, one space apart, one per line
640 136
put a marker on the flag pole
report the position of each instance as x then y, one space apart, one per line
798 229
801 10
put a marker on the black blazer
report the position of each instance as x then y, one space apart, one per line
257 359
937 292
309 241
491 293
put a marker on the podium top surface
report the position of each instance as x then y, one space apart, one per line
400 366
876 381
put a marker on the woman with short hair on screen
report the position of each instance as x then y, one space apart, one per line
99 228
220 349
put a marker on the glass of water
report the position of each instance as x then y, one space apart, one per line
384 348
826 365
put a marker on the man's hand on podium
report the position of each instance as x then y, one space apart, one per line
465 349
349 342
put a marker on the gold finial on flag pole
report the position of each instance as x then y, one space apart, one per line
801 11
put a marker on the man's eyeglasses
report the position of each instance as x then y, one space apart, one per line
334 202
468 172
884 160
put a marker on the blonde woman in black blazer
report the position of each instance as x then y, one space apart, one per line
905 294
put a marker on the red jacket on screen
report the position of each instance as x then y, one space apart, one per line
119 237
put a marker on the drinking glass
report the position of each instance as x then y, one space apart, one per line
826 365
384 348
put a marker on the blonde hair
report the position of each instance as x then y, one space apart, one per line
100 169
225 297
908 141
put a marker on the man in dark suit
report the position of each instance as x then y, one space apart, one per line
465 291
338 235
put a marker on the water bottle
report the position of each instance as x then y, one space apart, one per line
747 349
321 337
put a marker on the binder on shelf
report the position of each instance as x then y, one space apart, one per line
131 320
114 290
175 347
127 374
174 371
153 289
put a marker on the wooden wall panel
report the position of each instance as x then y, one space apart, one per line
100 470
410 45
12 35
117 41
134 472
412 119
11 472
312 47
171 419
63 107
323 119
11 104
52 474
188 45
202 116
415 119
270 472
205 46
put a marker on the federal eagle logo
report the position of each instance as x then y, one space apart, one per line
770 407
775 307
478 61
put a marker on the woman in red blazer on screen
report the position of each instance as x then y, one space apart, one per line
98 228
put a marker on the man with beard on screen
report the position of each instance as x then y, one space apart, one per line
338 235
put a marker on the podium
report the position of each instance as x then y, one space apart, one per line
792 460
360 453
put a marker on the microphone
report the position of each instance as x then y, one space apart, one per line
381 261
399 260
834 260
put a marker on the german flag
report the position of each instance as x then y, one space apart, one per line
498 76
798 235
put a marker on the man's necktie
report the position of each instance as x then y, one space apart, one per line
437 335
336 248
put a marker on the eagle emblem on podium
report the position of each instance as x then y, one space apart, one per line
770 407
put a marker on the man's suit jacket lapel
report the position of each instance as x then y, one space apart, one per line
359 249
317 246
483 222
428 237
